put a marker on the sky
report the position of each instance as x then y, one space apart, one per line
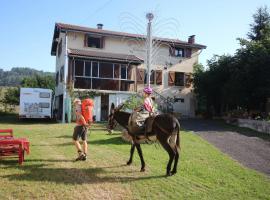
27 25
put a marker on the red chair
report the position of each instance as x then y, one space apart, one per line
13 147
8 133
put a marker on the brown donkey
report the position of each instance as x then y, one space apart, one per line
165 127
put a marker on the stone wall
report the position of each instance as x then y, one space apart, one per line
261 126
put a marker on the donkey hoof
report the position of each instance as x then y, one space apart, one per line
169 174
142 170
173 172
129 163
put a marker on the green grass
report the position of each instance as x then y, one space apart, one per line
50 173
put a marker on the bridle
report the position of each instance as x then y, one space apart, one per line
111 121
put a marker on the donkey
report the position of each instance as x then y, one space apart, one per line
165 127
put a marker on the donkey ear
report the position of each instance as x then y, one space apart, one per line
112 108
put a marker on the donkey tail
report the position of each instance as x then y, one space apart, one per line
178 135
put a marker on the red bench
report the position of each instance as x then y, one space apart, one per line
13 147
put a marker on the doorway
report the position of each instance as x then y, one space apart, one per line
104 107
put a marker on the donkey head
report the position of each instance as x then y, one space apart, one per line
111 118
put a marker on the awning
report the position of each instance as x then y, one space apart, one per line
100 55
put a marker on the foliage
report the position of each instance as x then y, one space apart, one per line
16 75
240 81
10 98
83 94
38 81
260 29
133 102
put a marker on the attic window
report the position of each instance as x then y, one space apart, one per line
178 52
93 42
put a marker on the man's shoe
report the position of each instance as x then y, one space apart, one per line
80 157
84 157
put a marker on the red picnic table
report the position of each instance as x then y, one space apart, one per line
10 146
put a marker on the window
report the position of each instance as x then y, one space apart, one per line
87 68
79 68
178 52
176 78
105 70
95 69
116 71
123 72
61 74
44 105
176 99
94 42
59 48
44 95
179 79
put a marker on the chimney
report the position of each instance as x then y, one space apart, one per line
99 26
191 39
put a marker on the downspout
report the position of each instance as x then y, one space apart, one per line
65 80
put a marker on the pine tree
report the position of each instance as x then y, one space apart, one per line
260 28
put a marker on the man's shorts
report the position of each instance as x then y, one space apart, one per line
80 132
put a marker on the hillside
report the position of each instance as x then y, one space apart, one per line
15 75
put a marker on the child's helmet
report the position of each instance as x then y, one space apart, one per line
148 90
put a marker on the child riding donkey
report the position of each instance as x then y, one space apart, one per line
142 117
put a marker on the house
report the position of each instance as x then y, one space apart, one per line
112 64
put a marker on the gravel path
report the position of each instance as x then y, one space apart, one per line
252 152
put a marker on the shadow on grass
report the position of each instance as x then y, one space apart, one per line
12 118
113 140
73 176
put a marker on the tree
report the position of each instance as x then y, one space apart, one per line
260 29
38 81
240 81
11 98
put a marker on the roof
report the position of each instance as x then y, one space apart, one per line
105 56
69 27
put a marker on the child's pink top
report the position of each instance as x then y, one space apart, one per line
148 104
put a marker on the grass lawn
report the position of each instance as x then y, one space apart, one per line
50 172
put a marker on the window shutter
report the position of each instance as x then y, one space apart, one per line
140 76
171 78
159 77
188 53
188 79
152 77
129 72
85 40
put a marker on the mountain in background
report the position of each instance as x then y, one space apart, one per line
16 74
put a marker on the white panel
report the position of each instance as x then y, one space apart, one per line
30 103
97 107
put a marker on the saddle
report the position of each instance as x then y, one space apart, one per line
140 124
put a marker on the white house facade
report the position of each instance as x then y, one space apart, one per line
112 64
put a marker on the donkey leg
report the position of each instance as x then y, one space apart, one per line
131 154
175 161
138 146
171 153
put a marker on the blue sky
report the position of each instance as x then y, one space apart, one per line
27 25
